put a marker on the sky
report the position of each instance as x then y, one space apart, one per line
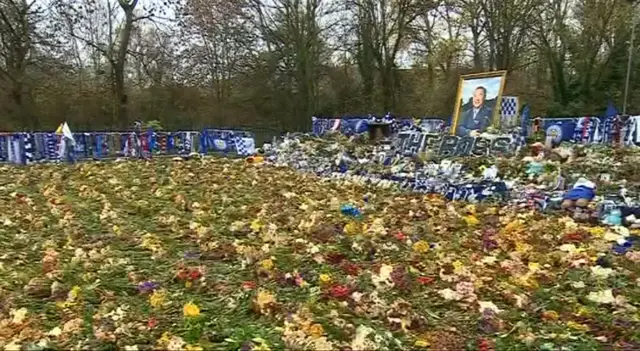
492 84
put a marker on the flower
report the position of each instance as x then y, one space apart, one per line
421 343
74 293
157 298
471 220
248 285
351 228
152 323
400 236
267 264
191 310
18 316
263 300
316 330
351 269
340 291
324 278
550 316
426 280
147 287
602 297
421 246
601 273
195 274
577 326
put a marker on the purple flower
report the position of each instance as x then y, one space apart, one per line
247 346
147 287
191 255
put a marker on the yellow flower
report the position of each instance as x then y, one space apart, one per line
577 326
324 278
256 225
597 231
421 246
457 267
522 247
191 310
193 348
157 299
263 299
471 220
471 209
534 267
316 330
267 264
421 343
351 228
74 293
550 315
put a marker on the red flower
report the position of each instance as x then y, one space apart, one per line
183 274
340 291
195 275
400 236
485 345
335 258
351 269
152 323
248 285
426 280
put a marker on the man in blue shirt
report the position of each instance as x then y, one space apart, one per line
476 119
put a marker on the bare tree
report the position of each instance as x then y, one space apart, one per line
381 29
119 19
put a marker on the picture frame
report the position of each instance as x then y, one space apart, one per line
478 103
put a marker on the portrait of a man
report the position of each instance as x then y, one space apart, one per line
477 103
477 118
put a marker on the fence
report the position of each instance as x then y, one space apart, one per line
577 129
25 148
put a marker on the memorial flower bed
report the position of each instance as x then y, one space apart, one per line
222 254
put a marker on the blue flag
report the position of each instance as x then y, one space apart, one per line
611 110
525 120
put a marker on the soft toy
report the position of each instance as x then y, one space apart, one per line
580 195
614 217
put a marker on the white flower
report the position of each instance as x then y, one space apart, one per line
450 295
383 279
131 348
55 332
488 305
578 285
19 315
489 260
601 273
602 297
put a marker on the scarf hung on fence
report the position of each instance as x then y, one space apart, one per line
163 142
187 143
29 148
99 140
632 131
582 130
16 149
203 143
3 148
151 141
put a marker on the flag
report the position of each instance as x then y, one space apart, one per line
611 110
525 120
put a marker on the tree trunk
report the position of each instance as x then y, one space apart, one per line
120 96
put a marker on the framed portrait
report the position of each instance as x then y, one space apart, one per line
478 103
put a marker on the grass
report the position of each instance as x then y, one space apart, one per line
276 269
